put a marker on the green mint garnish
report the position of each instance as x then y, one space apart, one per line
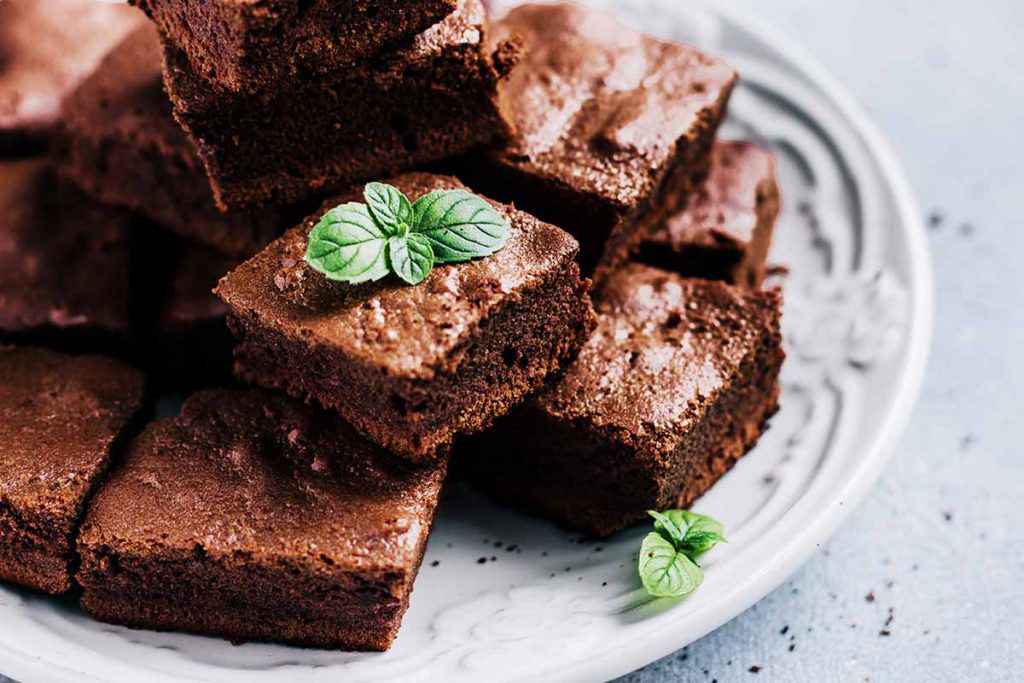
411 257
667 563
356 243
459 225
389 207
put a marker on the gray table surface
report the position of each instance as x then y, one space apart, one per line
923 583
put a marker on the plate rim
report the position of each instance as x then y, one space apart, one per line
626 656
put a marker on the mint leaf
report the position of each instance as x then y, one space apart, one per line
411 257
667 526
459 225
389 208
665 571
362 242
702 533
348 246
668 555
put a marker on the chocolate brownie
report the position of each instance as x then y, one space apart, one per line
60 417
247 46
435 96
65 261
671 390
726 228
119 142
412 367
254 517
613 127
46 49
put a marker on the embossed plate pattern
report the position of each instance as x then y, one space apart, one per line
858 321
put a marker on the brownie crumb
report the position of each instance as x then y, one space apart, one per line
754 669
482 560
435 563
785 630
870 597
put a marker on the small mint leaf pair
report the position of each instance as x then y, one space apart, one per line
667 563
357 242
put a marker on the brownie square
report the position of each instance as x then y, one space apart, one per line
254 517
671 390
65 261
120 143
433 97
412 367
60 417
246 46
726 228
613 128
46 49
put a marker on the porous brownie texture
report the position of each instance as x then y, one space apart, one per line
61 418
433 97
119 142
250 46
412 367
254 517
674 386
65 261
613 128
46 49
725 231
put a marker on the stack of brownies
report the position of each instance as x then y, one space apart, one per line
617 355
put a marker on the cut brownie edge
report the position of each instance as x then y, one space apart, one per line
239 624
258 49
395 144
42 560
190 590
511 363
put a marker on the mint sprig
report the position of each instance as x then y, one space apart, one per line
357 243
667 563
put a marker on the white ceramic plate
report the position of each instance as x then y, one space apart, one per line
858 321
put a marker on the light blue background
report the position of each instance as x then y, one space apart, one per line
945 81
